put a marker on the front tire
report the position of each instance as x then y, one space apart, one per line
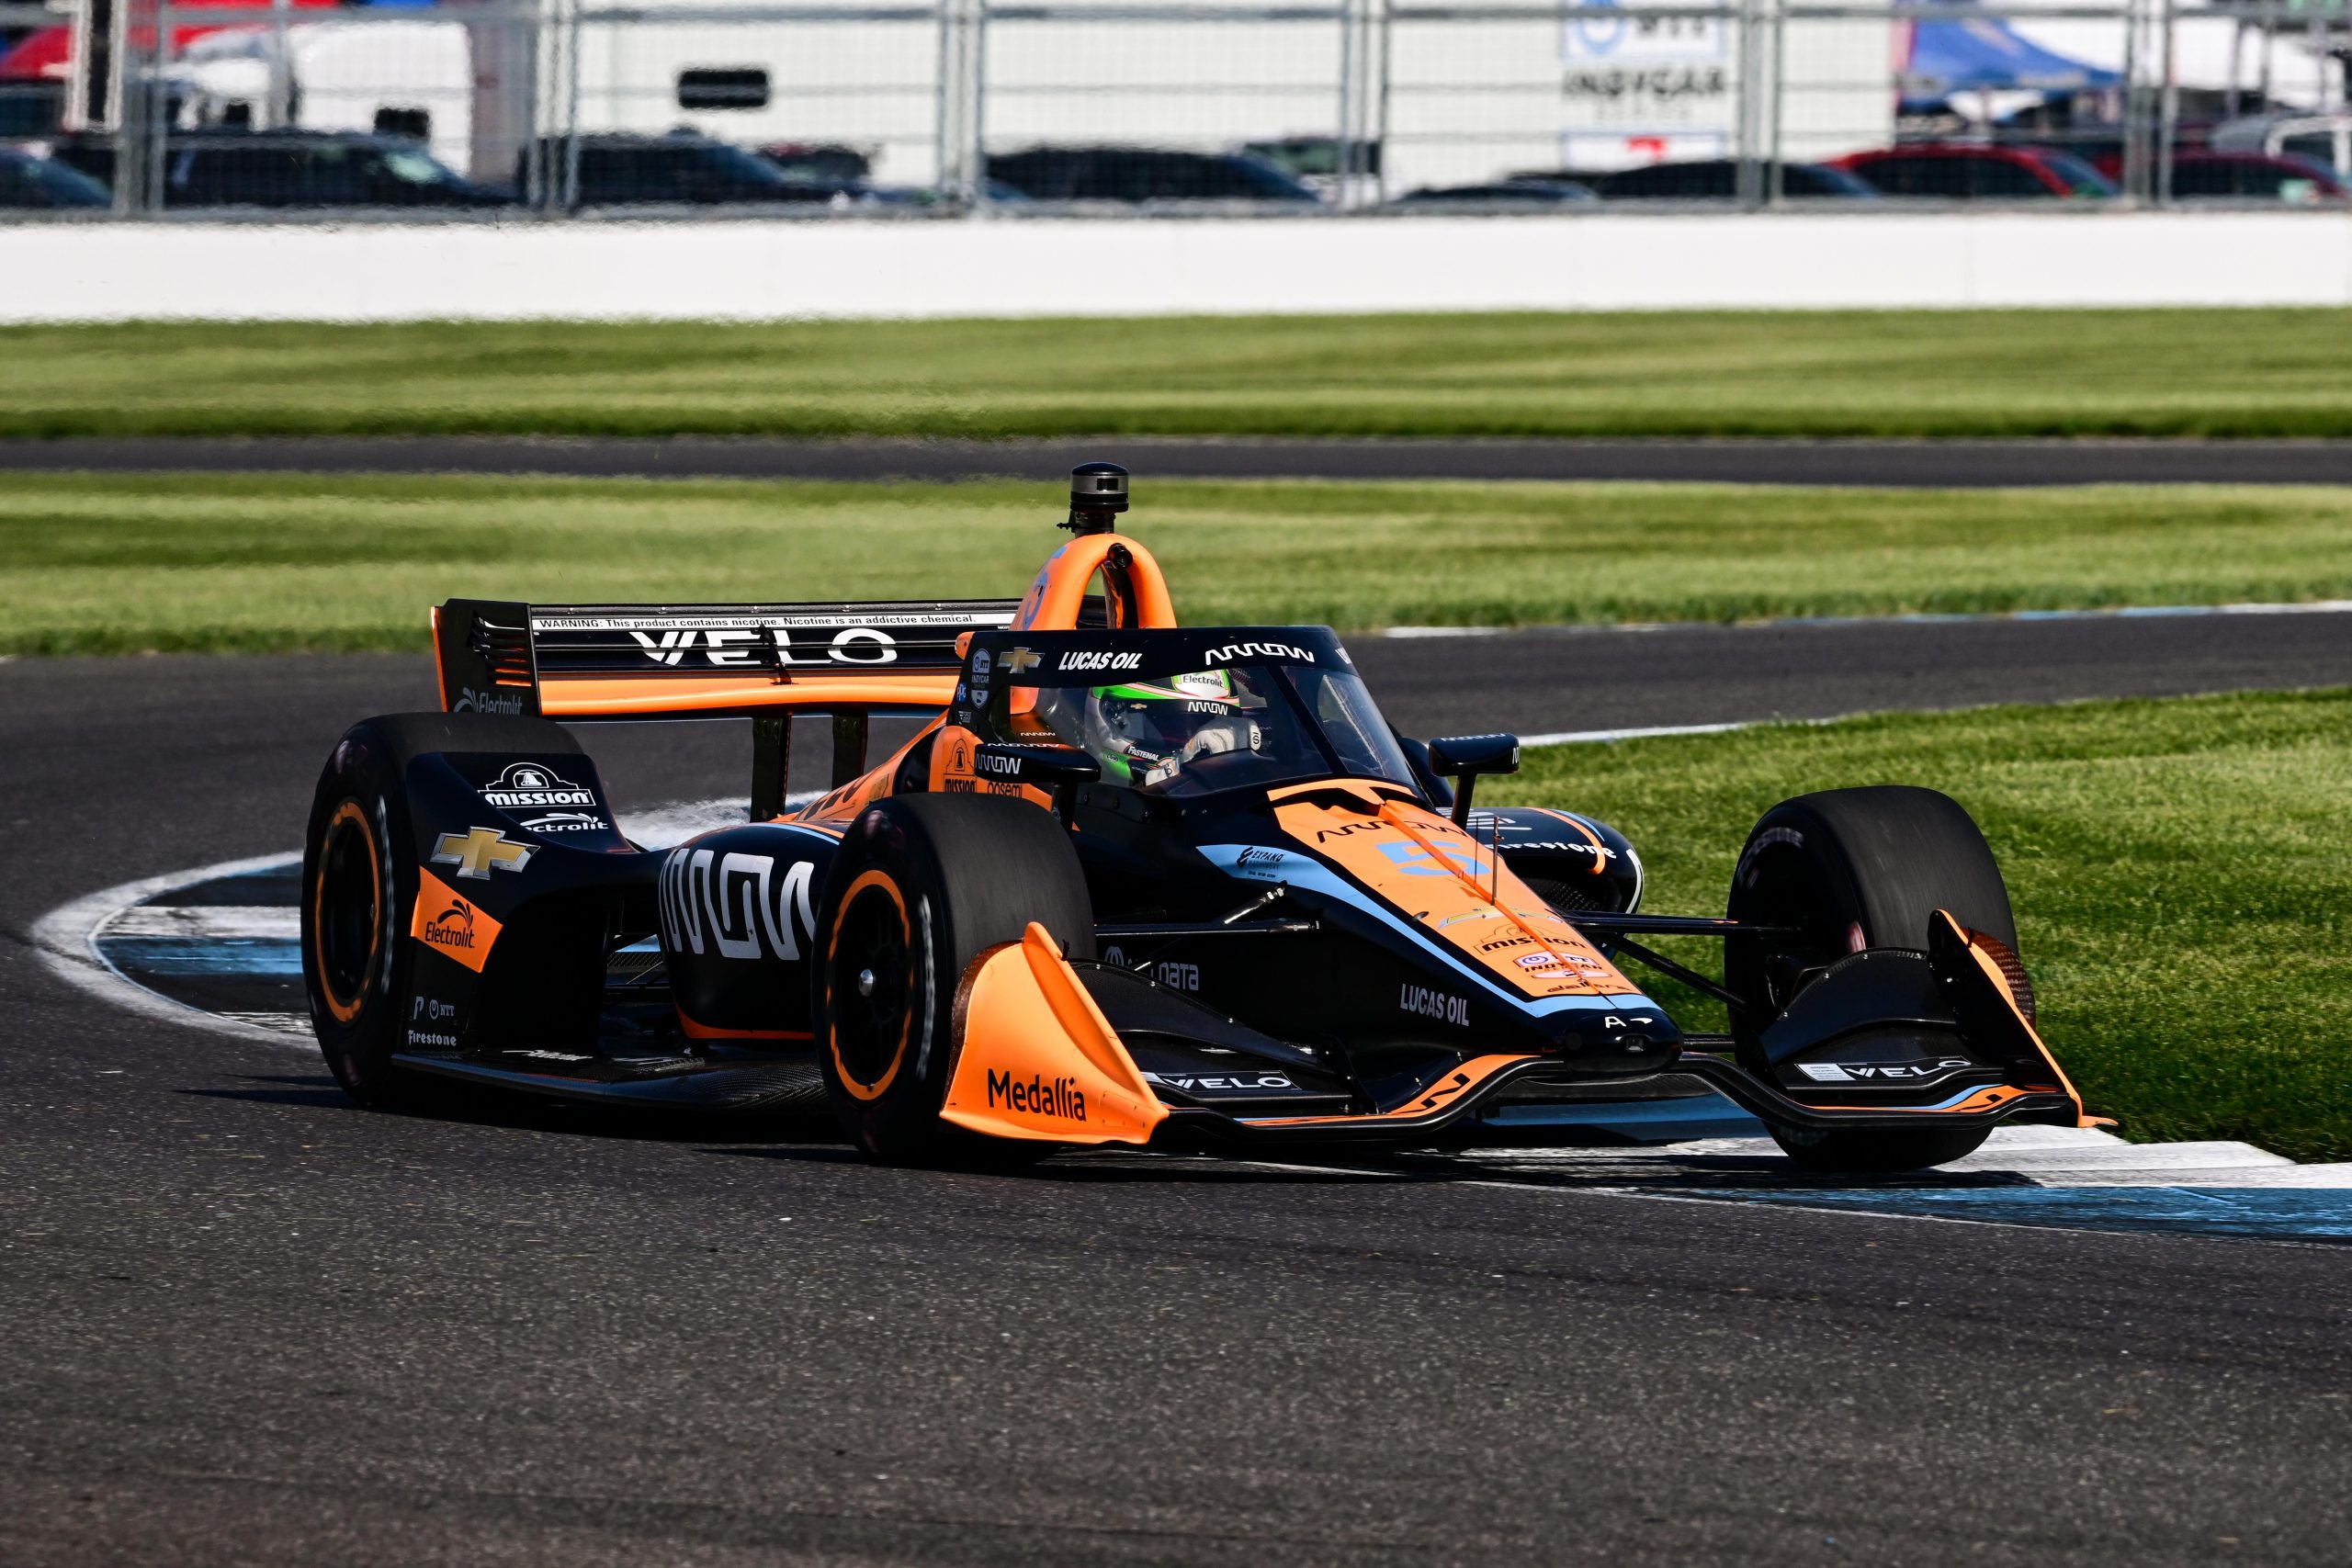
359 884
923 887
358 873
1850 869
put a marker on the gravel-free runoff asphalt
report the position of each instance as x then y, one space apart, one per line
242 1322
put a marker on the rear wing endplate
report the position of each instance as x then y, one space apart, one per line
590 661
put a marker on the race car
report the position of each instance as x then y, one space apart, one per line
1130 883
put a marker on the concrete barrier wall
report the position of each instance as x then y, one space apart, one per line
1018 267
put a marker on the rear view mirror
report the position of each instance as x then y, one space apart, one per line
1466 756
1463 757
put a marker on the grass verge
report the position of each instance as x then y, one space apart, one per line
2177 867
1919 373
103 564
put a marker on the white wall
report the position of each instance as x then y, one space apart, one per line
1016 268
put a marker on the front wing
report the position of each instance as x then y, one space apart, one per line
1037 1060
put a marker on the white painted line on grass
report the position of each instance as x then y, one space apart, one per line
1914 619
1601 736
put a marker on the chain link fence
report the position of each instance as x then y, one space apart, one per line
540 109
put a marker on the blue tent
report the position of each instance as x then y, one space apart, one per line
1983 54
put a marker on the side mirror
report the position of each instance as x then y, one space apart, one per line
1057 768
1464 757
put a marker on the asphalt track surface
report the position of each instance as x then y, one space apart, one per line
242 1322
1935 464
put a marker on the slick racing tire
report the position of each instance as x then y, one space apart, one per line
359 885
924 886
1850 869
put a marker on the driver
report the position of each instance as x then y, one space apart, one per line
1144 734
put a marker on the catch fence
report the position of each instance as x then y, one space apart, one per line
546 108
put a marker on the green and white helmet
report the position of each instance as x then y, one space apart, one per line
1144 731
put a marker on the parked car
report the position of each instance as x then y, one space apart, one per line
1972 171
687 169
2321 138
30 108
1315 157
820 162
1509 193
2256 176
26 182
1318 161
996 191
2202 174
1139 174
1717 179
291 168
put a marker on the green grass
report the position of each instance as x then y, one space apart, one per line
2178 868
1980 373
242 562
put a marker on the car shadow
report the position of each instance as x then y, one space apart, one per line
1122 1165
813 1138
472 1107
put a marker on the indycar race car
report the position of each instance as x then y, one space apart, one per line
1132 883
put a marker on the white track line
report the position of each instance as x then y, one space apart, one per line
2124 612
66 939
211 921
1603 737
67 936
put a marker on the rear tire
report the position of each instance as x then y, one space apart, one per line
924 886
1855 868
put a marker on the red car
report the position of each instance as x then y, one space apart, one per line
1975 170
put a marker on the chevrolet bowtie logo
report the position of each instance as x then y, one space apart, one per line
475 852
1020 658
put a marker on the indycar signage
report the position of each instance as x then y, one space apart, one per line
1643 83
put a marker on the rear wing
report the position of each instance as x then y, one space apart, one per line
590 662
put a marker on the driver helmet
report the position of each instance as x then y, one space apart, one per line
1145 732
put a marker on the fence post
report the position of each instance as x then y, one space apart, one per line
1373 155
139 107
963 67
1363 90
1344 118
1754 180
2169 108
567 146
1776 186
